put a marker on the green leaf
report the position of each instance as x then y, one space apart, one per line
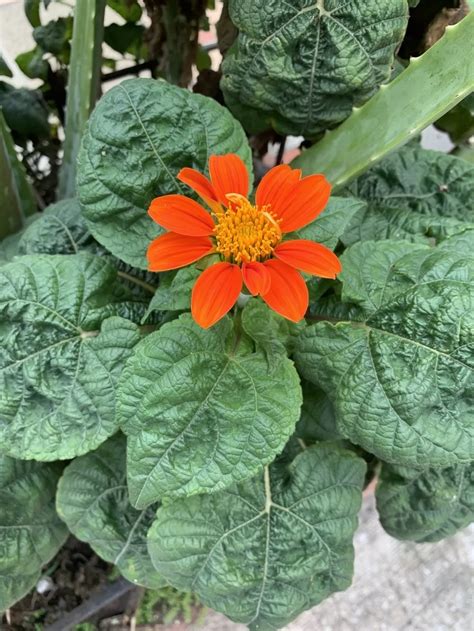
54 37
425 182
174 290
272 334
140 135
430 86
32 12
30 531
331 224
130 10
5 68
302 50
267 549
60 229
32 64
62 353
25 112
201 414
425 505
93 501
125 38
459 122
318 419
398 368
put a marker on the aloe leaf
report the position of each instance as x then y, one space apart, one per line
83 85
430 86
16 196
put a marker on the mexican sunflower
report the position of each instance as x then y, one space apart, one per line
249 238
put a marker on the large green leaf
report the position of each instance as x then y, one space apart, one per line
60 229
424 181
324 56
30 531
139 136
425 505
93 501
399 366
62 353
267 549
202 411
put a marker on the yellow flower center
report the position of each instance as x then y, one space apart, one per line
245 232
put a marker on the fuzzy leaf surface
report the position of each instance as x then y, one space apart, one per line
93 501
200 412
30 530
265 550
62 354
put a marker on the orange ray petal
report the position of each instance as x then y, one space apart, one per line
215 292
228 175
304 203
276 186
182 215
288 294
198 182
171 251
309 257
256 278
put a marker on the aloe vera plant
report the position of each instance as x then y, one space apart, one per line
83 85
430 86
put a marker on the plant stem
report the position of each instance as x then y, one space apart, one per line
83 84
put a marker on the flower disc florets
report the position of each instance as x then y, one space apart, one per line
245 232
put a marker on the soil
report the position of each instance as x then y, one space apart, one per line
75 572
78 575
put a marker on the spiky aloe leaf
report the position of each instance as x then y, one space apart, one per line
83 84
430 86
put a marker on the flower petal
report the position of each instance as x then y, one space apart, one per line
198 182
304 202
228 175
288 294
171 251
256 278
182 215
215 293
275 187
309 257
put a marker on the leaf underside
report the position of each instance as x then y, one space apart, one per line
325 57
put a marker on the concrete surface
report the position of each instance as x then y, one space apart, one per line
397 586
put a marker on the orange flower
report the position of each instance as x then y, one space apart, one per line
249 237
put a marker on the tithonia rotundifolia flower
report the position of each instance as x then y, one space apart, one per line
255 242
